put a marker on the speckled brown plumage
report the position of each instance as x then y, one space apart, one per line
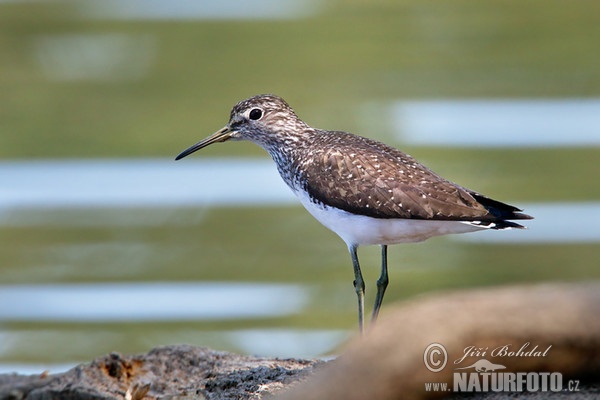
365 177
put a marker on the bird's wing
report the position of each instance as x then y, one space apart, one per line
376 180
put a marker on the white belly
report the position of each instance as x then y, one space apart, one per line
362 230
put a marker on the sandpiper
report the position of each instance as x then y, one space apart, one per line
365 191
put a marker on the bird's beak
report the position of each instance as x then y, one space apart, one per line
219 136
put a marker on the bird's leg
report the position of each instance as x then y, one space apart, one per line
382 283
359 286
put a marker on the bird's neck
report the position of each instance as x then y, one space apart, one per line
290 153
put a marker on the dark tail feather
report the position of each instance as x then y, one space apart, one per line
502 211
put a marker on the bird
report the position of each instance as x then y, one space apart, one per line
365 191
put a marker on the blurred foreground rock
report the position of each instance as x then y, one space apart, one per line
170 372
562 320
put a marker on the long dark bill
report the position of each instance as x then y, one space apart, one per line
219 136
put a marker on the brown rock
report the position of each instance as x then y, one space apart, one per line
388 362
172 372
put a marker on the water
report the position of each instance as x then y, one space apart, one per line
498 123
164 184
141 183
101 57
554 223
190 10
128 254
138 77
142 302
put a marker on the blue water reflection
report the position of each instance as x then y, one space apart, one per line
498 123
553 223
140 183
157 301
196 10
31 188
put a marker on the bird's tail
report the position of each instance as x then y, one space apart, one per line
502 212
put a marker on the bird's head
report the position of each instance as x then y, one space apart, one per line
264 119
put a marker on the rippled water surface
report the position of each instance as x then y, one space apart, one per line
127 254
108 244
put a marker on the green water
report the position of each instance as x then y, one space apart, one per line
328 66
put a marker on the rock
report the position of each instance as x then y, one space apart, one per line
171 372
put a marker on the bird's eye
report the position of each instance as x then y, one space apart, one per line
255 113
